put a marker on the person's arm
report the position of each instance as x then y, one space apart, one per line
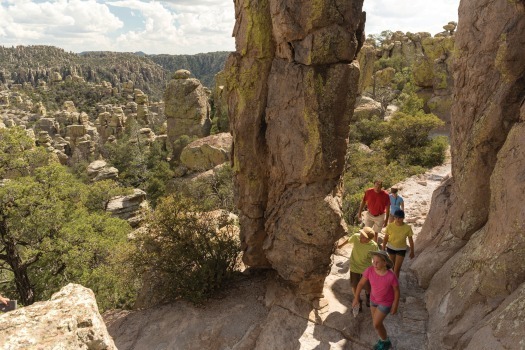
411 242
3 300
393 310
387 216
385 240
402 204
358 289
361 206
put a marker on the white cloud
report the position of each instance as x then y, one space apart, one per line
409 16
68 24
179 28
175 26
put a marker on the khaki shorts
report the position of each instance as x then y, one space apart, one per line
354 280
375 222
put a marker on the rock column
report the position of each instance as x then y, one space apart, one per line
291 90
473 241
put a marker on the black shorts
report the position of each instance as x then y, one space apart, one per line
396 252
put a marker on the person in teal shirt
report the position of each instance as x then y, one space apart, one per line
363 242
396 203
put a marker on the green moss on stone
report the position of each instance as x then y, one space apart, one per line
500 60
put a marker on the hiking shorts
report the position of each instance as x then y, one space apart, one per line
375 222
354 280
396 252
383 308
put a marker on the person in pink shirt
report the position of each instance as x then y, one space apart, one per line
384 297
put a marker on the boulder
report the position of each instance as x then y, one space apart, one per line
69 320
366 108
99 170
128 207
208 152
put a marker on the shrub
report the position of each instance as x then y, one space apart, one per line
140 165
429 155
369 130
212 192
184 250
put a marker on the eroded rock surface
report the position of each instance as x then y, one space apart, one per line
208 152
291 90
186 107
473 242
69 320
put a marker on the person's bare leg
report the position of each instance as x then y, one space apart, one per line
397 264
377 319
393 258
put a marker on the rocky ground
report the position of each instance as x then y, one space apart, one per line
260 312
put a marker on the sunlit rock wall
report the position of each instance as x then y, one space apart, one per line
291 90
473 242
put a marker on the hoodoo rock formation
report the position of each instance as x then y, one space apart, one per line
291 90
186 107
473 242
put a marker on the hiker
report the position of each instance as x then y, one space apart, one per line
363 242
395 240
396 203
384 297
3 300
378 203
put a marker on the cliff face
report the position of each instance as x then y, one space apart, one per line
291 90
473 242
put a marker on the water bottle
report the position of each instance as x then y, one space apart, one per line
355 310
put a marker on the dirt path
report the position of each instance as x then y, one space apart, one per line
407 329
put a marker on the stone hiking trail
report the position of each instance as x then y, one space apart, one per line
261 313
407 329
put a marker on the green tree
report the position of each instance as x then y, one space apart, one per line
185 252
53 227
18 156
140 164
49 237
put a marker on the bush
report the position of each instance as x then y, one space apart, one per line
368 130
410 131
185 251
429 155
212 192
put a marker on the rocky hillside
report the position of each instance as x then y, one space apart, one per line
203 66
394 61
29 64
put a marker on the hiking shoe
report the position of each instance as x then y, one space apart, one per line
378 345
385 345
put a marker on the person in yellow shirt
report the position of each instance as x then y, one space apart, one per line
363 243
395 240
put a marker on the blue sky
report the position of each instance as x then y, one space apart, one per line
176 26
